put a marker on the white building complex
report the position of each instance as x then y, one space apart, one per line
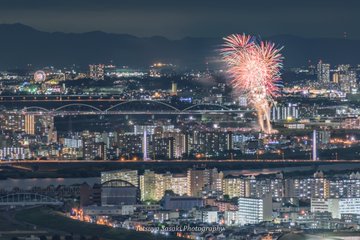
336 206
255 210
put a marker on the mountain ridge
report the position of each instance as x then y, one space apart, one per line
21 45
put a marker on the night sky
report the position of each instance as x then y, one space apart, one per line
180 18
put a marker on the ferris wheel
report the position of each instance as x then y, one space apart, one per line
39 76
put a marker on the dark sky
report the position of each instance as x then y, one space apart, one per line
179 18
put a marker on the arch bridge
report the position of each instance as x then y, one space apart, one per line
28 199
137 106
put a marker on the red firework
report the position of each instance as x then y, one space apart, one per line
254 68
252 65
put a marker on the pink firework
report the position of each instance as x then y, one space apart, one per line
254 68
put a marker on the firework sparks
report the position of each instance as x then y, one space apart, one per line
254 67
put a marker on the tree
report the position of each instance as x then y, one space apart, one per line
226 197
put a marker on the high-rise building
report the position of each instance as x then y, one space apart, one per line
234 186
286 112
73 142
324 137
145 146
179 184
314 146
319 205
150 129
198 178
148 186
336 206
207 216
323 72
211 143
349 205
163 148
176 141
13 153
44 126
243 101
317 187
230 218
92 148
254 210
154 185
163 184
348 82
130 176
216 180
11 121
130 144
330 205
173 88
97 71
256 188
30 124
335 78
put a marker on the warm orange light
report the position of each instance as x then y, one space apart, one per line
199 155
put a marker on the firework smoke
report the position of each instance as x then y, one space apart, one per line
254 67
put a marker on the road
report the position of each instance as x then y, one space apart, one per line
185 161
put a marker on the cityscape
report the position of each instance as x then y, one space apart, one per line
165 126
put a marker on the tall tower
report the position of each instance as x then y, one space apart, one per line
323 72
173 88
314 152
145 156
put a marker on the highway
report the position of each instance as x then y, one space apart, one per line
70 168
183 161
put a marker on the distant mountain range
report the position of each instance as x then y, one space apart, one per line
21 45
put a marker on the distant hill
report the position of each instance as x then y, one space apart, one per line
21 44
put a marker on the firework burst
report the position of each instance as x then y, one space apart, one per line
254 68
